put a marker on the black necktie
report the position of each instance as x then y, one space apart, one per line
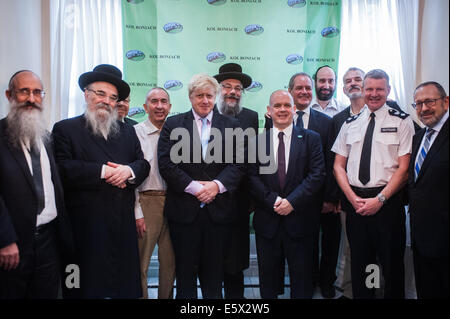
300 119
37 178
364 165
281 160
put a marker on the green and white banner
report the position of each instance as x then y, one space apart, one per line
166 42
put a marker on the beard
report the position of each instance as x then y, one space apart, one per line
228 108
102 121
324 96
26 125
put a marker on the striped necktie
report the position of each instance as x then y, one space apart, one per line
423 151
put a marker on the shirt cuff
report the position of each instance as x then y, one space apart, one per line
276 200
222 188
131 180
193 188
138 213
102 174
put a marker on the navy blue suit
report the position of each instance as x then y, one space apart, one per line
292 235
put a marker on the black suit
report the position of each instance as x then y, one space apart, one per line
289 236
102 215
238 250
18 213
129 121
198 234
429 209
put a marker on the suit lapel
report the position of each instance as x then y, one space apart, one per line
434 149
19 157
296 141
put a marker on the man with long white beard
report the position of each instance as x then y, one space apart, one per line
34 228
232 85
101 164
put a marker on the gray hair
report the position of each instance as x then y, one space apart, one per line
377 74
291 81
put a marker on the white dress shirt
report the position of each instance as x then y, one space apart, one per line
49 212
331 109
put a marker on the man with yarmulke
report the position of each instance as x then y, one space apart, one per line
101 164
232 87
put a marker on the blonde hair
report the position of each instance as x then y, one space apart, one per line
201 81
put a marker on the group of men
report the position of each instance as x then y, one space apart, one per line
100 194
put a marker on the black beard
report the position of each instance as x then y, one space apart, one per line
324 96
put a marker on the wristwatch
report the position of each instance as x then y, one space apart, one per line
381 198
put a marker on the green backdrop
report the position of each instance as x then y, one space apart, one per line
166 42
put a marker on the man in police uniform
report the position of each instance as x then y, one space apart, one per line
373 150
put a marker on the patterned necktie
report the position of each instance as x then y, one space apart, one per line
299 123
281 161
364 165
37 178
423 151
204 137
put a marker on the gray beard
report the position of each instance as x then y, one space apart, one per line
228 109
101 122
26 126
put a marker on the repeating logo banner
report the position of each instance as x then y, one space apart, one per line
167 42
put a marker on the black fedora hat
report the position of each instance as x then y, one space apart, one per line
233 71
106 73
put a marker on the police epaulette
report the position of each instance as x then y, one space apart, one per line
352 118
398 113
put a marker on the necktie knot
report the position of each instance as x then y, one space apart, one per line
300 119
429 132
280 135
372 115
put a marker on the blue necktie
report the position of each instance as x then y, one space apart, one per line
204 140
299 123
423 151
204 137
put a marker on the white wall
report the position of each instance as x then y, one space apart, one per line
433 53
20 38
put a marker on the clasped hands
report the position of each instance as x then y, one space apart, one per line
282 207
117 175
208 192
366 206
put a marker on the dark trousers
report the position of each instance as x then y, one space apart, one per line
431 276
37 276
377 238
233 285
298 253
324 267
199 252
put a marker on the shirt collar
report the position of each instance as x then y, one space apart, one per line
439 124
332 104
197 117
150 128
287 131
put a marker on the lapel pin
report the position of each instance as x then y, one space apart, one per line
299 136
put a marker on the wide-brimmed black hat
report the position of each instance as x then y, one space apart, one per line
106 73
233 71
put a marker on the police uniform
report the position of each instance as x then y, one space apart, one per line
379 238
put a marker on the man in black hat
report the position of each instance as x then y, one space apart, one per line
101 163
233 83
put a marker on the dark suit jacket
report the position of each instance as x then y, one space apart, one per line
239 240
323 125
130 121
304 179
102 215
180 206
428 196
18 201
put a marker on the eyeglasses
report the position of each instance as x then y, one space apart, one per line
26 93
428 103
229 87
103 94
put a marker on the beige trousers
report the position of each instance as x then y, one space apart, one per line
157 232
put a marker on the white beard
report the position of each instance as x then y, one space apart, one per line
102 122
26 126
228 109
